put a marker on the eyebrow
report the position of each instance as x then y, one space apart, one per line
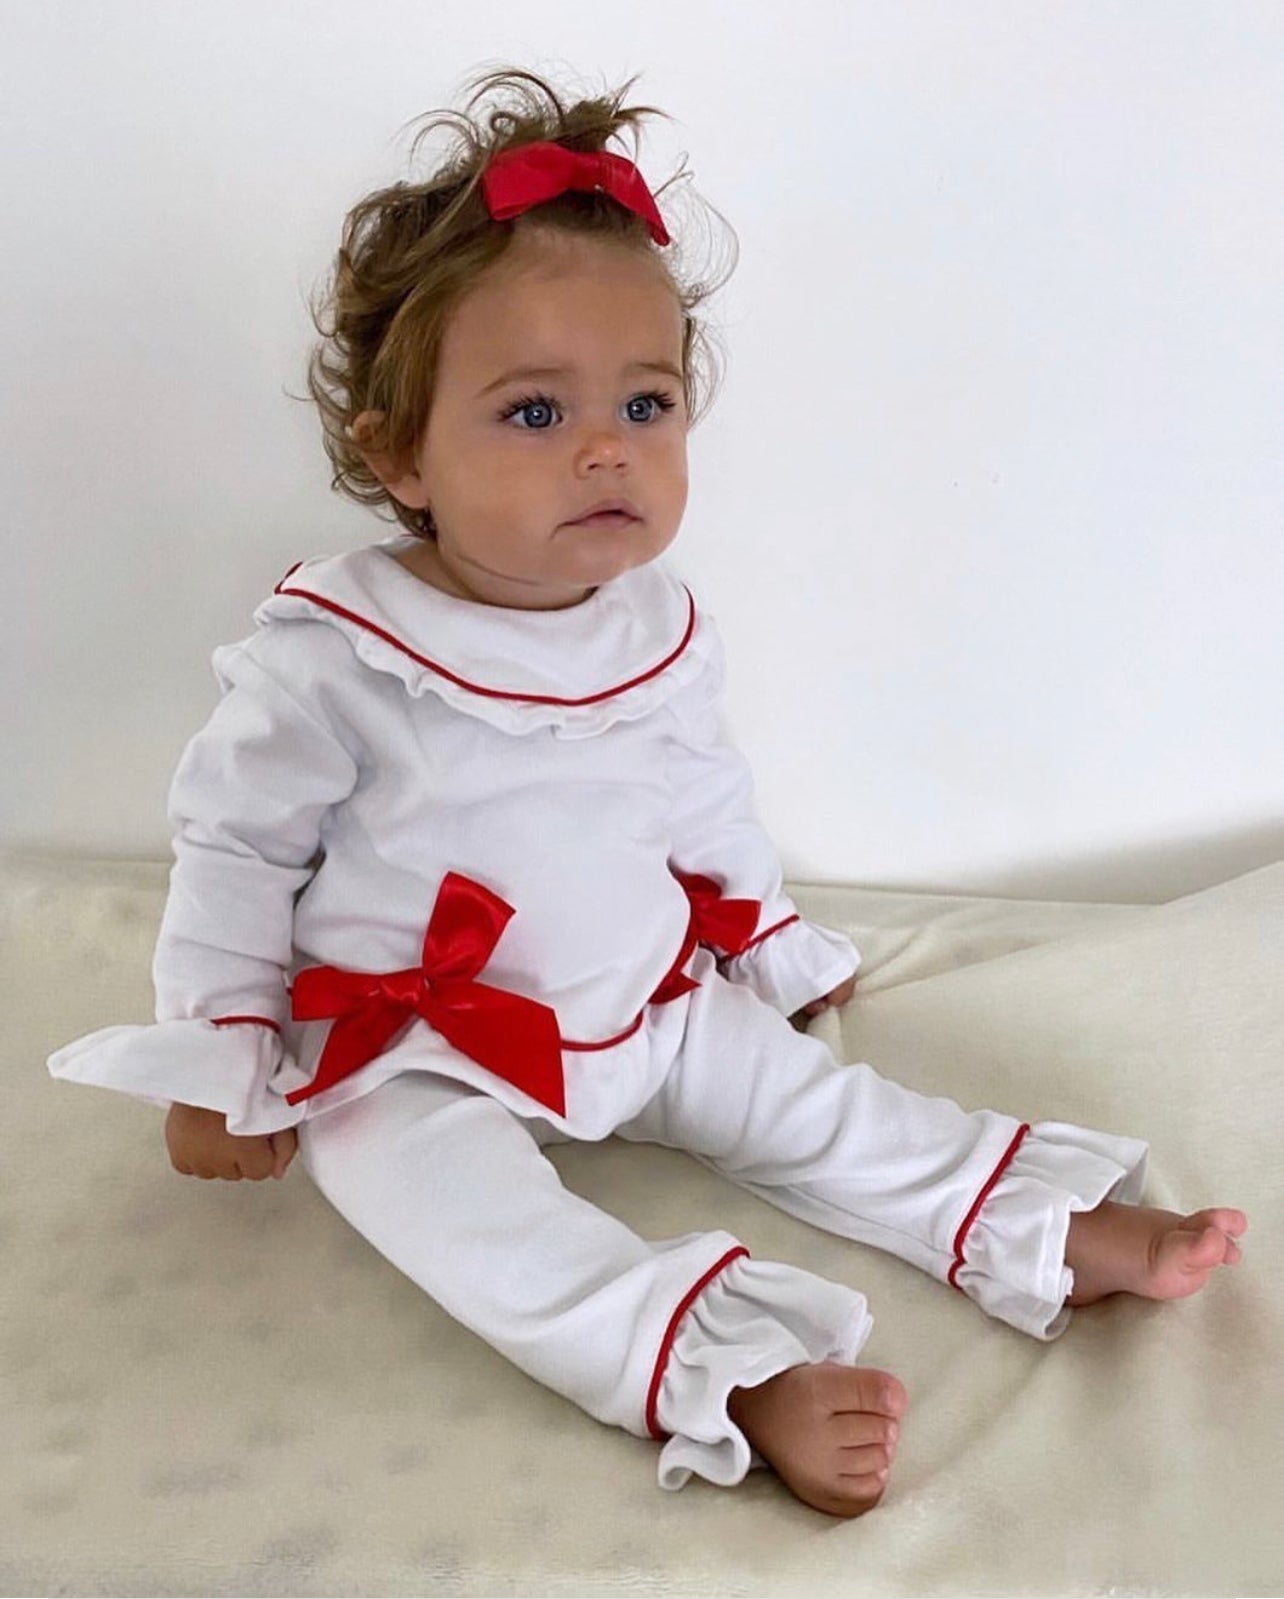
511 376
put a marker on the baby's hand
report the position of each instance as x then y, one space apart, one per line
200 1145
836 996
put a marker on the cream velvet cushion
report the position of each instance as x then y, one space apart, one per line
214 1388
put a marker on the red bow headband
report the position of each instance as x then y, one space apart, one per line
533 173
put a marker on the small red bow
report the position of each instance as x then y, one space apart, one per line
532 173
516 1038
727 924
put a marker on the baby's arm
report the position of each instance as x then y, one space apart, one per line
796 966
249 805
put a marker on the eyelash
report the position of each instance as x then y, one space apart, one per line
663 401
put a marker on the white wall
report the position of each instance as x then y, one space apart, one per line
991 509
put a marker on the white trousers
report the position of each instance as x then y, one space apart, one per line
456 1192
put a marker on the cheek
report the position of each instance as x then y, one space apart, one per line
675 471
488 488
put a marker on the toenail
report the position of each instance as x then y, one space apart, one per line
893 1432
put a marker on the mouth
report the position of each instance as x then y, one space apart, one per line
608 514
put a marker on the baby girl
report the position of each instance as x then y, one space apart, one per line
464 867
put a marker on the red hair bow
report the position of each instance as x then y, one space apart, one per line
514 1037
533 173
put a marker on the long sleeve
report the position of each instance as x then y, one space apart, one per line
716 834
248 804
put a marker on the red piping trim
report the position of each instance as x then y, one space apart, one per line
256 1021
607 1043
960 1237
684 955
478 688
758 938
671 1332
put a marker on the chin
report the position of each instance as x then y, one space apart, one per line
607 571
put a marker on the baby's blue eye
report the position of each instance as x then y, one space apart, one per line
648 402
536 405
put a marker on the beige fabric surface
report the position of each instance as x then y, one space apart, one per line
221 1389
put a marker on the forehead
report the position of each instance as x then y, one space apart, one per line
553 294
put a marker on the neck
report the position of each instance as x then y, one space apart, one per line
469 580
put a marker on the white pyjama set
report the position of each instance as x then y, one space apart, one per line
453 882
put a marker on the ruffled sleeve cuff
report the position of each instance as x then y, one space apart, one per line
794 964
1010 1257
754 1320
239 1068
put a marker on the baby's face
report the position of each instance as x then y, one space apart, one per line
510 463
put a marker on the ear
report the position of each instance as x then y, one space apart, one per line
398 474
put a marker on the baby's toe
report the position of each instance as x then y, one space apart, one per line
878 1393
1233 1223
1187 1257
867 1460
854 1493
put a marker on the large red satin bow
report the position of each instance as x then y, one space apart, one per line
516 1038
532 173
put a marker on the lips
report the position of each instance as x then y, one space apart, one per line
608 513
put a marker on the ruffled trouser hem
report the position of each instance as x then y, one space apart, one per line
755 1320
1013 1257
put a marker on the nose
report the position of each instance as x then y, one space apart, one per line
602 447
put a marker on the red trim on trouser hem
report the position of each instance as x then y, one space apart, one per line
671 1332
961 1236
236 1021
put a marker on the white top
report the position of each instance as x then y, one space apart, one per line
375 734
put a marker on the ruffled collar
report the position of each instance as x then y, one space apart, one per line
614 657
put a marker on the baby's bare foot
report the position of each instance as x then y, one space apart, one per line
829 1431
1154 1253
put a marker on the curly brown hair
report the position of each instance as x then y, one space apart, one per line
409 254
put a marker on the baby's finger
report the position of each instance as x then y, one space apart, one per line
284 1145
256 1159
